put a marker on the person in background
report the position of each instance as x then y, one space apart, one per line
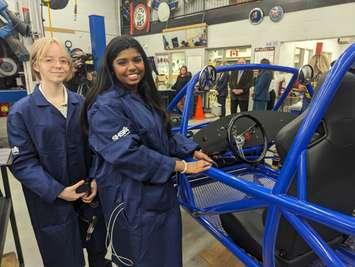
239 84
222 89
51 159
83 72
136 159
320 65
261 87
182 79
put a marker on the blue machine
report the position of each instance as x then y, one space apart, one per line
307 200
13 53
98 39
11 96
10 25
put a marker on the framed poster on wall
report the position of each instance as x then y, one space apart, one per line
264 52
192 36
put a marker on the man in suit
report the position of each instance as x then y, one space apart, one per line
239 84
222 89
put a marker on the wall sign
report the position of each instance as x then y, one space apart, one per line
232 53
139 17
264 52
256 16
276 13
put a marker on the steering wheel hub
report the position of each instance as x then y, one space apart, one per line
247 138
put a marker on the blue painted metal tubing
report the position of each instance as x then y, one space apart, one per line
256 67
245 258
276 197
235 206
188 104
314 240
333 219
177 97
285 94
273 213
315 113
302 176
98 38
310 89
317 109
190 86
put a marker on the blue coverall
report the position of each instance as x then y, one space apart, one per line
134 167
261 90
49 154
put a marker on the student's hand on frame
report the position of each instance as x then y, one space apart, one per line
199 155
90 198
198 166
69 193
192 167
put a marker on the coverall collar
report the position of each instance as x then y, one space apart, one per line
40 100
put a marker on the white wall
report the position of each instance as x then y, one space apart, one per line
313 24
329 45
64 18
153 44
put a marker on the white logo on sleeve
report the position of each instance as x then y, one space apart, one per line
124 132
15 150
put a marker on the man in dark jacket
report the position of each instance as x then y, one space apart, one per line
222 89
239 84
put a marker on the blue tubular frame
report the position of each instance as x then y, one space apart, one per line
302 176
296 210
188 91
314 240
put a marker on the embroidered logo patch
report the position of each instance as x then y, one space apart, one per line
15 150
124 132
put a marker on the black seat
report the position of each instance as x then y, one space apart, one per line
330 182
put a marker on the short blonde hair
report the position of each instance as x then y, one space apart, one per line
39 50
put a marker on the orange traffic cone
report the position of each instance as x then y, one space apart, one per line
199 115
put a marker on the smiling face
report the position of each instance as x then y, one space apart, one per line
129 68
54 65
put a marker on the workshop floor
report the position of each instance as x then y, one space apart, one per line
199 248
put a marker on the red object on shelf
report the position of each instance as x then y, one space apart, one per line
319 48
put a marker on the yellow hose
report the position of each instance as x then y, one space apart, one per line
75 9
49 18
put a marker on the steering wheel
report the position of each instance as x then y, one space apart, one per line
207 78
245 132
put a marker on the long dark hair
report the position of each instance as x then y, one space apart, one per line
106 79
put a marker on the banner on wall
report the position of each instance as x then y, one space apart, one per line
139 16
